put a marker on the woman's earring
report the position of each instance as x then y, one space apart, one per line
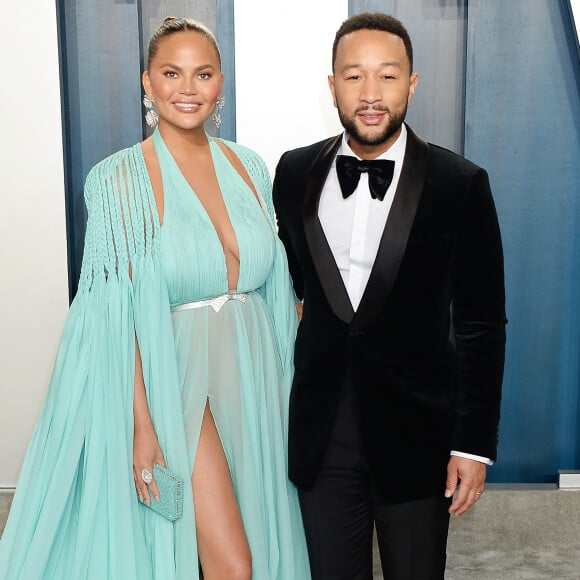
219 105
151 116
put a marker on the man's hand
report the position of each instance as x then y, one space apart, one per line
471 473
299 311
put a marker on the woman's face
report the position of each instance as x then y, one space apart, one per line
184 80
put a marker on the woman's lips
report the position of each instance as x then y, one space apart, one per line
187 107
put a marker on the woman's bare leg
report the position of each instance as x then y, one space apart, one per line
221 541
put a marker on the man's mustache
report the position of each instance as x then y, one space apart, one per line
372 108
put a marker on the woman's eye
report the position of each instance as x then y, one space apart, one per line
204 76
171 74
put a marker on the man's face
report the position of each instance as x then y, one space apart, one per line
372 87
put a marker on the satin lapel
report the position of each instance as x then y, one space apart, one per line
326 267
396 233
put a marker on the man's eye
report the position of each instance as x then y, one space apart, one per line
205 76
353 78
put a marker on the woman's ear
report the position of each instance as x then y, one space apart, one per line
146 82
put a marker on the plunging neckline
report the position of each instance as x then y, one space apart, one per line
161 149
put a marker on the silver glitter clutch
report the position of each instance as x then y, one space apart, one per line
170 486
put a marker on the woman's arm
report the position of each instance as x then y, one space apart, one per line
146 449
119 230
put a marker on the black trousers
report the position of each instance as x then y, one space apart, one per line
342 508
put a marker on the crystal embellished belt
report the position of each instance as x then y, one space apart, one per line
216 303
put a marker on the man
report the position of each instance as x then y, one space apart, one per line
399 354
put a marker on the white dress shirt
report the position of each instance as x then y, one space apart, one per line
353 226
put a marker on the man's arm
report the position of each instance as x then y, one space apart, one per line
479 329
281 197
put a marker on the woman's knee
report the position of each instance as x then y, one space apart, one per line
230 568
242 569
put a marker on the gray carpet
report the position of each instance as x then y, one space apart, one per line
513 533
5 502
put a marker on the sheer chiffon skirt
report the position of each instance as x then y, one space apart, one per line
229 359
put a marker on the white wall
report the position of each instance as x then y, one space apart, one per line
283 59
575 6
576 10
33 270
283 102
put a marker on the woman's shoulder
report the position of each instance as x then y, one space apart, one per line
121 164
251 160
113 162
238 147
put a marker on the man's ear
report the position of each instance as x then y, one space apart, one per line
331 87
412 87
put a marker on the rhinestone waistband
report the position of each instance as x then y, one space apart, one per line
216 303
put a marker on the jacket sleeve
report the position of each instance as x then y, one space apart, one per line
479 322
282 181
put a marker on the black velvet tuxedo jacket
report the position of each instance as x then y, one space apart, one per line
424 351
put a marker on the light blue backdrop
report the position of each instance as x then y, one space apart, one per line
516 112
499 82
523 124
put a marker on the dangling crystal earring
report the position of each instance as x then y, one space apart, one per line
151 116
219 105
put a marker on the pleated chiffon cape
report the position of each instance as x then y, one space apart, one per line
75 513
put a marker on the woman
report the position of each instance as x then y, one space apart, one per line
177 351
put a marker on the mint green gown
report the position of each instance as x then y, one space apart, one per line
75 514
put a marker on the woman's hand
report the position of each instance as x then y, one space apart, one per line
146 453
146 450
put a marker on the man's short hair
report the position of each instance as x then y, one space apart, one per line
374 21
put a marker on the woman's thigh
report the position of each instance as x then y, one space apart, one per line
221 539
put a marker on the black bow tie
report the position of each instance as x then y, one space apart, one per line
380 173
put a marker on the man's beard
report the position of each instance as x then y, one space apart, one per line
381 136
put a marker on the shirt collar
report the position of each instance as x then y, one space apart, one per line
396 151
